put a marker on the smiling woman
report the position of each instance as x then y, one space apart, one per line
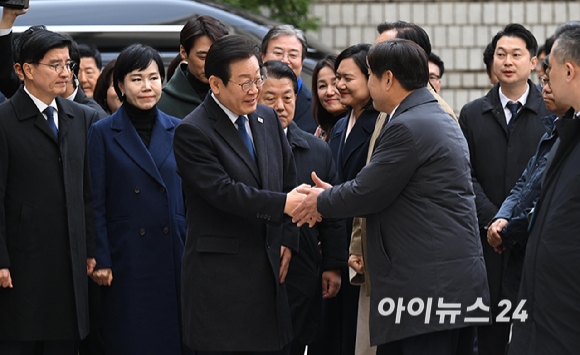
139 213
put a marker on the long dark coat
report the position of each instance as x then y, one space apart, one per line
550 281
232 299
46 220
498 160
140 233
422 235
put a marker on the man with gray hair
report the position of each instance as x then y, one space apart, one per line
288 45
550 284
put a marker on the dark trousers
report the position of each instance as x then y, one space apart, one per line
492 339
285 351
445 342
45 347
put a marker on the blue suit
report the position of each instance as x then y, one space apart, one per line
140 233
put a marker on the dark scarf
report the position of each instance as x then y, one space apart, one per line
200 88
143 121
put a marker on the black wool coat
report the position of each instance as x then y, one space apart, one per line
46 220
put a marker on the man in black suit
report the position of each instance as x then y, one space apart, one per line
422 237
311 154
288 45
503 130
46 213
11 73
238 176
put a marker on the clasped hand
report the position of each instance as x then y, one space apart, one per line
307 211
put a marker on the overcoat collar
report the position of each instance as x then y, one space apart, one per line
295 138
492 103
26 109
223 125
415 98
160 147
361 130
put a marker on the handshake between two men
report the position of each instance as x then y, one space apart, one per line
301 203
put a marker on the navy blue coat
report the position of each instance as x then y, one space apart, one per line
303 113
140 233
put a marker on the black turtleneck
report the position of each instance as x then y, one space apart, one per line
143 120
200 88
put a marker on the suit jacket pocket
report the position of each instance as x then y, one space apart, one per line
25 226
217 245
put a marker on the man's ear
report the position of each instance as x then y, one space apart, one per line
215 84
571 71
533 62
182 53
26 69
388 80
19 72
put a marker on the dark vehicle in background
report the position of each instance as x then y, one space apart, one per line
111 25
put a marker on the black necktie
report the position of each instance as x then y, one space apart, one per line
49 111
241 122
513 107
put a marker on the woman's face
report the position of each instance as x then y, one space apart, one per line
328 94
352 84
142 88
112 99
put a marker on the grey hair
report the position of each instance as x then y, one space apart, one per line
285 30
567 47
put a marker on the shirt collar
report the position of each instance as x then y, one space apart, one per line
74 94
39 104
393 112
523 99
232 116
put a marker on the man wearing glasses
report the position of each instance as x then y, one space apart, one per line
46 212
288 45
238 176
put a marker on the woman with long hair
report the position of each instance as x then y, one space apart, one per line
326 106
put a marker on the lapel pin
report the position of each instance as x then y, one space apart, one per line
260 119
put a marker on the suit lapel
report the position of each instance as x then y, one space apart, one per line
26 109
64 119
358 135
161 139
131 143
258 132
226 129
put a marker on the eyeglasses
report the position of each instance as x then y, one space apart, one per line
544 82
434 77
279 55
58 68
247 85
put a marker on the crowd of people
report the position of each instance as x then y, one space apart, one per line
237 211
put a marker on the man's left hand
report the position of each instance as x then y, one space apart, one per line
91 263
331 282
285 256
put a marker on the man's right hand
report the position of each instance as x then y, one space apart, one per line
9 16
5 279
103 277
493 237
356 263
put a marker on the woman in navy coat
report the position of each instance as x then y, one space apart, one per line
139 213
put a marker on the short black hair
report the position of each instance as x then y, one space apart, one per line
549 44
546 63
275 69
135 57
488 57
284 30
23 38
405 59
201 26
541 49
75 56
102 86
407 30
358 53
519 31
567 47
91 51
227 50
438 62
36 42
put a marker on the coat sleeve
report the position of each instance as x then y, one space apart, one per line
393 166
199 166
9 81
332 230
98 166
486 209
4 163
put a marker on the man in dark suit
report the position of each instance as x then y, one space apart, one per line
46 213
550 281
422 237
238 173
502 130
11 73
288 45
311 154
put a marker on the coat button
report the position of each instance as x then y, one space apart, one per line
165 230
137 190
142 231
162 189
